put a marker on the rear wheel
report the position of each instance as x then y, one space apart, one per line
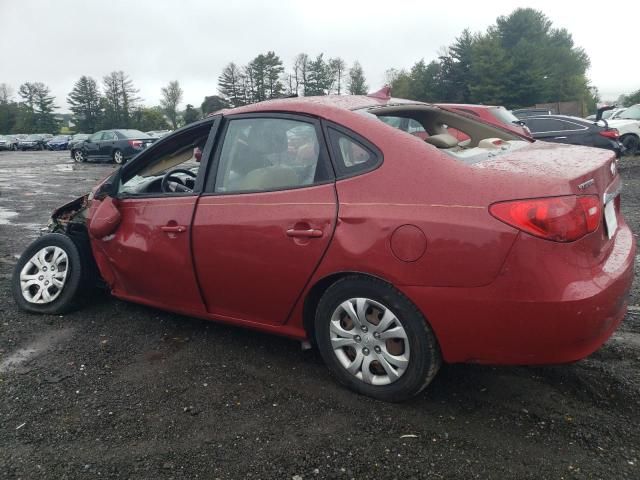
631 144
374 340
47 277
118 157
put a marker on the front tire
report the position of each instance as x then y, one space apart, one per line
631 144
48 276
374 340
78 156
118 157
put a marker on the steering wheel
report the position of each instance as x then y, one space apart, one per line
168 186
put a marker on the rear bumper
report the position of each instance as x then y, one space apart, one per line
536 312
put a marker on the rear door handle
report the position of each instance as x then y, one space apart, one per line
309 233
173 228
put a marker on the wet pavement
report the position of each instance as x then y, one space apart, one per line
117 390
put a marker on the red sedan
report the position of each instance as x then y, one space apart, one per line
312 218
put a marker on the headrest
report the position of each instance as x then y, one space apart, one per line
442 140
266 139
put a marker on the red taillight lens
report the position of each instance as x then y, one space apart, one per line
561 219
611 133
135 143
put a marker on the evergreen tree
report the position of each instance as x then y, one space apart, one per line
357 83
264 74
318 78
120 99
171 99
148 118
212 104
85 103
230 85
190 114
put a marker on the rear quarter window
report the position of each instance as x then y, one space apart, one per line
352 154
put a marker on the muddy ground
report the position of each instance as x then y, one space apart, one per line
118 390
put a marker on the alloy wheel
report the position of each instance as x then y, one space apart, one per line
43 277
118 157
369 341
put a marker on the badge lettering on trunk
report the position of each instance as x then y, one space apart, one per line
586 184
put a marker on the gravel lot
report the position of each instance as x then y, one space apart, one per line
117 390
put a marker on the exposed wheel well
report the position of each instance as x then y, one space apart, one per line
313 298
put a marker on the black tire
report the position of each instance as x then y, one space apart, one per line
631 144
77 272
424 359
118 157
78 156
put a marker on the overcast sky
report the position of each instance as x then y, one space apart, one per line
156 41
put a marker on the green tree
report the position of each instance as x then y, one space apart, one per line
632 98
8 109
318 78
148 118
356 82
264 77
35 115
230 85
120 99
190 114
85 103
170 101
212 104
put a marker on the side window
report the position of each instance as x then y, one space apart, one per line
108 136
263 154
170 167
95 137
353 155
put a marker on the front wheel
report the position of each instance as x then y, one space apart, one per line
78 156
118 157
374 340
47 277
631 144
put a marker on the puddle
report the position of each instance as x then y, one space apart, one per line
6 215
40 345
63 167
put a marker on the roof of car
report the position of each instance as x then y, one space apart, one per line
466 105
558 117
315 105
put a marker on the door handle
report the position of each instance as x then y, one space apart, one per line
173 228
560 138
308 233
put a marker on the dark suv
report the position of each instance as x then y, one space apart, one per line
112 145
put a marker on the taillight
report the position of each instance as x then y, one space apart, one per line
135 143
561 219
611 133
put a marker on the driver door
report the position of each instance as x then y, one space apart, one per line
92 144
149 253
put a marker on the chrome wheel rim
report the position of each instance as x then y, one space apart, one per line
77 155
43 277
117 157
369 341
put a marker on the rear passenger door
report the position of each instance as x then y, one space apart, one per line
558 130
266 217
107 144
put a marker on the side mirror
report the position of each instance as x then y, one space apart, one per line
105 219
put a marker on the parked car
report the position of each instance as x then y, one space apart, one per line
608 114
76 140
530 112
310 218
8 142
495 115
574 131
36 141
628 124
117 146
61 142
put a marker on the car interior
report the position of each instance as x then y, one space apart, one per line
459 136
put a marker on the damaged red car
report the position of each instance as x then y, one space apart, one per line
316 219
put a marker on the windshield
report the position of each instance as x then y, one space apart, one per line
81 136
504 115
133 134
631 113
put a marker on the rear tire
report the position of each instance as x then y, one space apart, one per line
118 157
39 288
631 144
399 355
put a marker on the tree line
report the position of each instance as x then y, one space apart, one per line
521 60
